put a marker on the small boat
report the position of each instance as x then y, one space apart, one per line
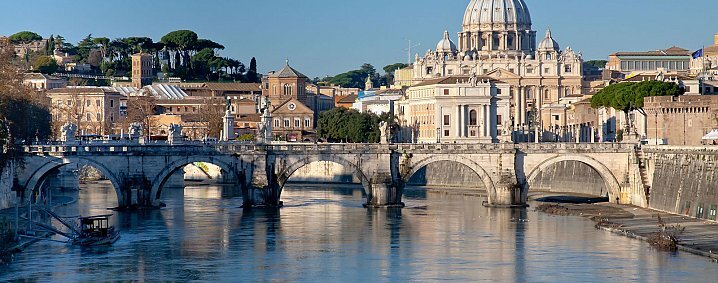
96 231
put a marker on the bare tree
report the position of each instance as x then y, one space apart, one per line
140 109
211 116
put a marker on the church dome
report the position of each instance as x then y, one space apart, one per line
548 43
446 45
506 12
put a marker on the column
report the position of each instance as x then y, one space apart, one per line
465 117
517 112
487 112
458 122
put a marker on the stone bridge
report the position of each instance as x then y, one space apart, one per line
507 172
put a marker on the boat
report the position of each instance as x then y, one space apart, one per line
96 231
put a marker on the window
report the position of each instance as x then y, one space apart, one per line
276 123
88 103
548 56
446 133
287 123
287 89
89 117
447 120
498 120
297 123
712 212
473 118
547 70
699 211
498 91
98 103
451 72
112 103
307 123
99 117
530 70
568 68
446 92
69 102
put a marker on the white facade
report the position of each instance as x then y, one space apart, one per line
497 37
456 110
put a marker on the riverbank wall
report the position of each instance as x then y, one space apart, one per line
684 180
7 195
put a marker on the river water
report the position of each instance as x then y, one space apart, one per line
323 234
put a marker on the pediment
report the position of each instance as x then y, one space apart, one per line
500 73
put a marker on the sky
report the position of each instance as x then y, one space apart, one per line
327 37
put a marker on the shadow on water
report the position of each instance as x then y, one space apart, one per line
572 199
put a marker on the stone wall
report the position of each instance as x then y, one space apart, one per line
7 196
685 180
570 177
324 172
446 174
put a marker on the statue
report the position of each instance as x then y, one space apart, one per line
68 132
175 134
264 106
473 79
385 130
135 130
228 104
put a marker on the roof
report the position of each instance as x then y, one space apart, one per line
233 86
82 91
39 76
348 99
284 108
673 51
249 118
287 72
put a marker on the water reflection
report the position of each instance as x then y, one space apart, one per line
324 234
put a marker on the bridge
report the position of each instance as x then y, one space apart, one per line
507 172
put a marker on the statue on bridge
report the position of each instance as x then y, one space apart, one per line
385 130
175 134
68 133
135 130
264 127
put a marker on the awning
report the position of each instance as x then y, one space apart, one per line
713 135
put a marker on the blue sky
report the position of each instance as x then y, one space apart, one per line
325 37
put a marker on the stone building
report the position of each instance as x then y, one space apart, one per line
42 82
94 110
497 41
456 110
141 70
293 121
674 59
681 120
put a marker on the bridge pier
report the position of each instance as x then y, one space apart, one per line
384 191
136 193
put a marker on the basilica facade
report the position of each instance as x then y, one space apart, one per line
497 44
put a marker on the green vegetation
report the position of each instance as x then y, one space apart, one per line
348 125
246 137
596 63
357 78
24 37
629 96
179 54
45 64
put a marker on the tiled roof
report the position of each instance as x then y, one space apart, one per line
287 72
234 86
81 90
673 51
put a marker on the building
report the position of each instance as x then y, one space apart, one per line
24 49
497 42
708 63
94 110
378 101
403 77
42 82
456 110
142 70
285 84
682 120
293 121
233 90
674 59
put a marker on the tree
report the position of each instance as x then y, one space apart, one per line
211 116
25 37
355 78
389 71
22 111
181 42
140 109
252 75
348 125
45 64
84 47
629 96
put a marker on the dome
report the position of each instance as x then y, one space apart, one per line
446 45
548 43
507 12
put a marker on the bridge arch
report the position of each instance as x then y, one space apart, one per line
160 179
483 175
614 187
287 172
38 176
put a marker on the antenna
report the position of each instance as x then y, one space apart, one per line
408 50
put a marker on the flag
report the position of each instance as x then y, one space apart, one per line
698 54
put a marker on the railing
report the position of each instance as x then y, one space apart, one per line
162 147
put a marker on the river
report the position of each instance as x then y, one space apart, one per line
324 234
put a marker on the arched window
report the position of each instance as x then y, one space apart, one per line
287 89
548 56
473 121
529 94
